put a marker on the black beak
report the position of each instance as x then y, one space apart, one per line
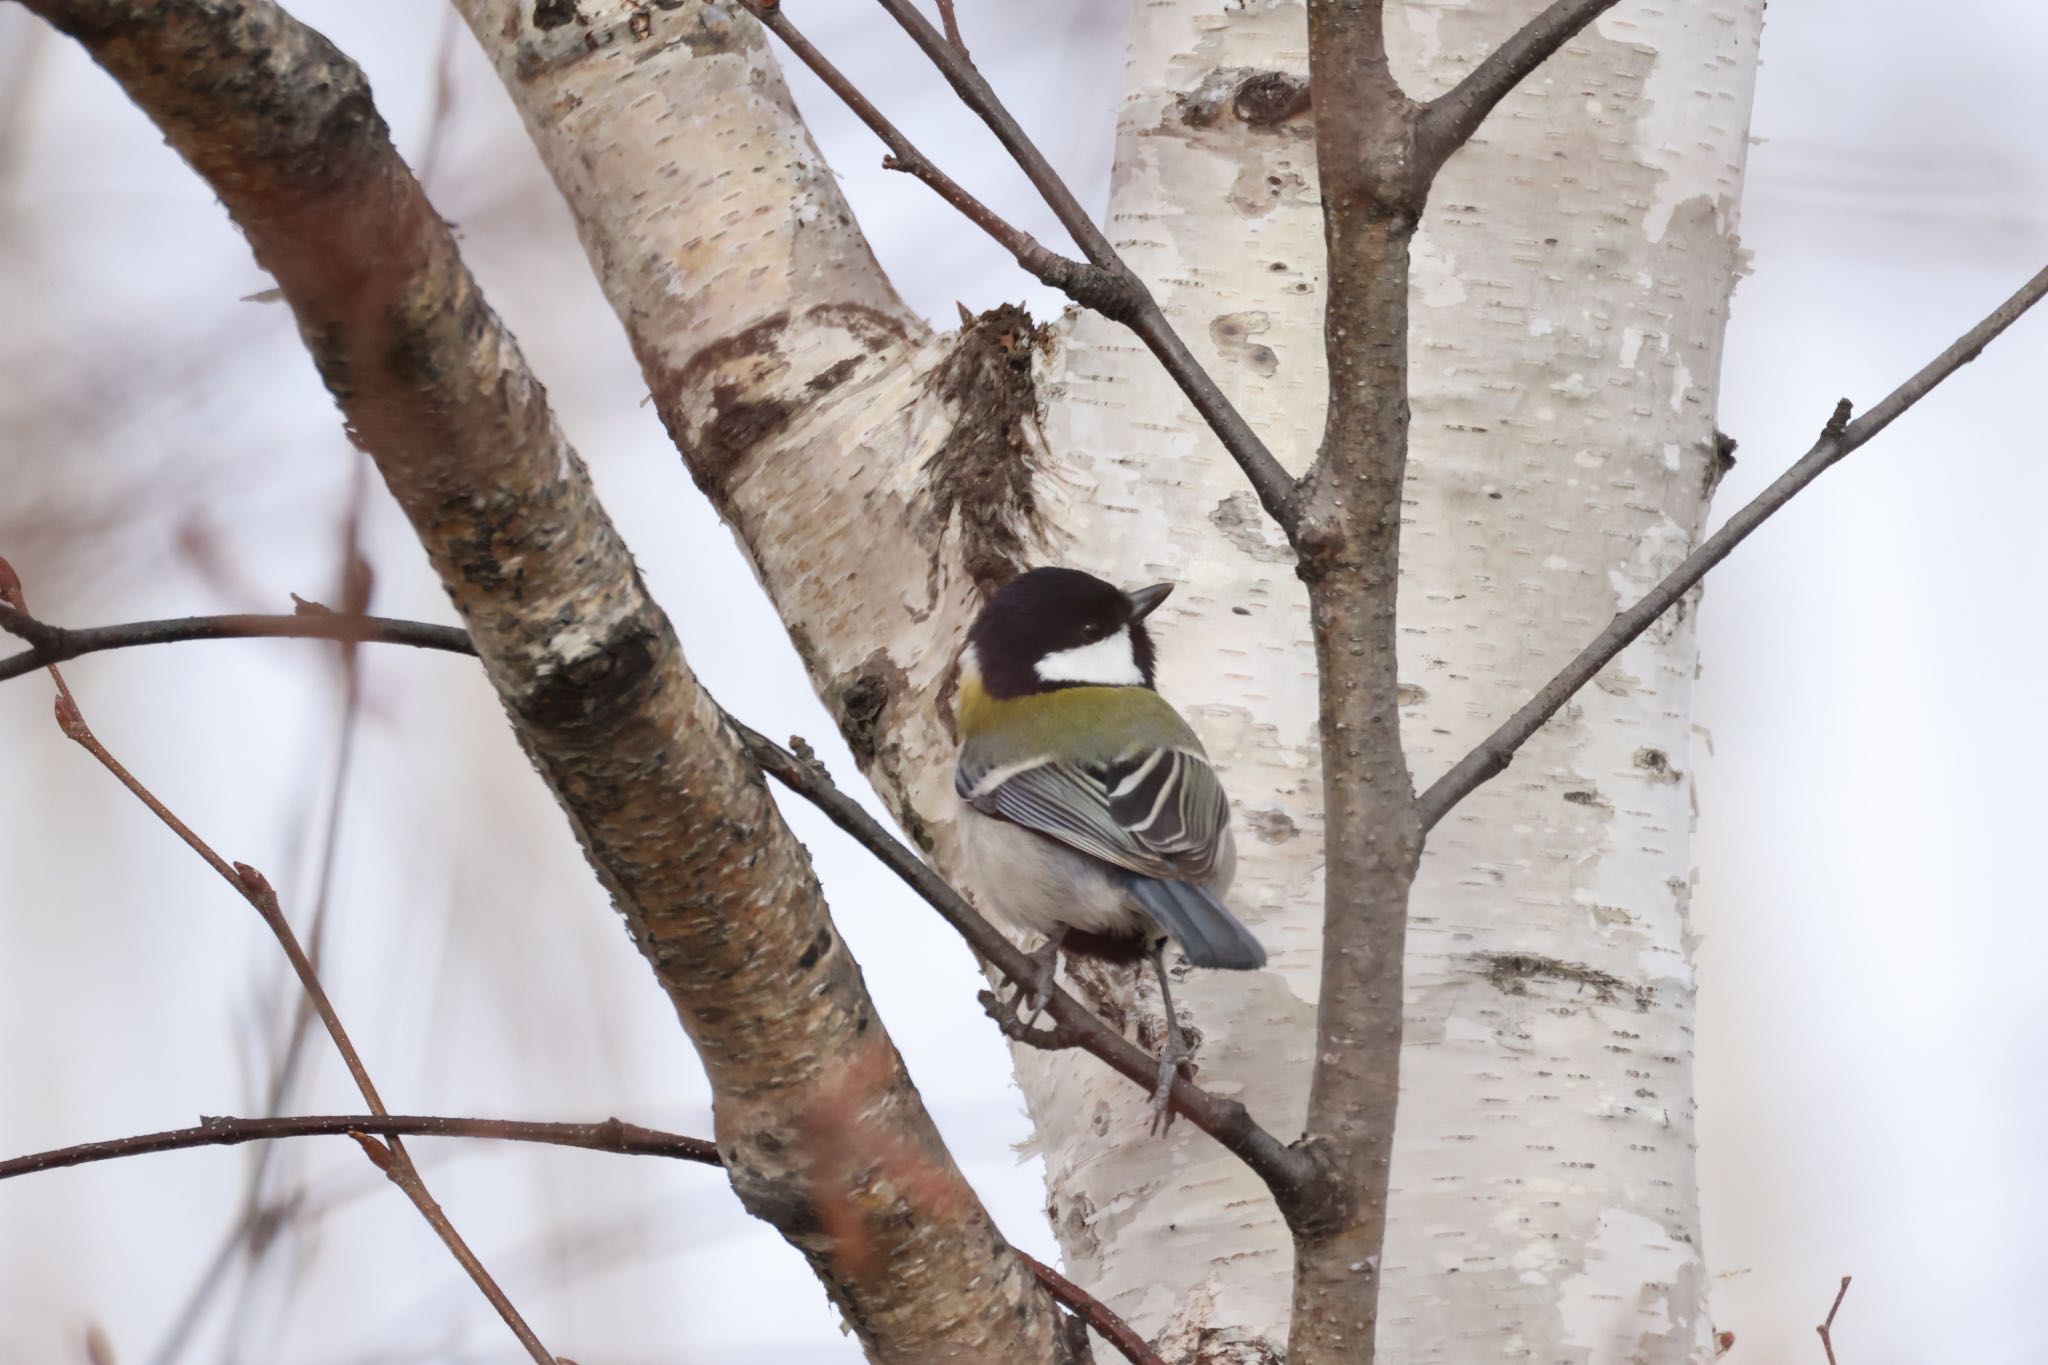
1143 600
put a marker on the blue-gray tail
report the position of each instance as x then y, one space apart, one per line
1209 934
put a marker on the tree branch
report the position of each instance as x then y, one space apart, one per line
1449 120
611 1135
1225 1120
1287 1172
1093 1311
1840 437
1104 283
50 644
1349 540
1827 1327
1090 285
718 894
389 1157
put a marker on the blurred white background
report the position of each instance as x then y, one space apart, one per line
1872 1027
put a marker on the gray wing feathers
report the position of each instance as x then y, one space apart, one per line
1160 812
1208 934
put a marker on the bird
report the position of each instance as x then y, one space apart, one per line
1089 811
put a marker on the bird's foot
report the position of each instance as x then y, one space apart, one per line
1174 1061
1038 994
1049 1039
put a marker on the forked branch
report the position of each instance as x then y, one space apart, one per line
1448 121
1840 437
1827 1327
1103 283
390 1155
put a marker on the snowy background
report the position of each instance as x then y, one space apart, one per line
1873 1033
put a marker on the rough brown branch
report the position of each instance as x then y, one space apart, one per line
390 1157
1349 542
1837 439
1104 283
1449 120
716 892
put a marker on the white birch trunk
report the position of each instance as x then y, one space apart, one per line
1571 282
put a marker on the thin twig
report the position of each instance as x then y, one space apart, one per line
253 887
951 22
1103 282
1269 479
50 644
611 1135
355 582
1826 1340
1288 1173
1095 1313
1837 439
1448 121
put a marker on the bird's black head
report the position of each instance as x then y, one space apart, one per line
1053 628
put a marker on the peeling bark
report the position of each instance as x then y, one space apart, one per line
817 1122
1565 295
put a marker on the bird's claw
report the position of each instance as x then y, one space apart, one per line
1173 1061
1038 994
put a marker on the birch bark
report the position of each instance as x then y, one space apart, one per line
1568 290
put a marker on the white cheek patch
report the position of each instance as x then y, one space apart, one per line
1109 662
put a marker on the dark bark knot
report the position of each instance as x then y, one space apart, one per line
982 479
1257 99
554 13
865 695
593 688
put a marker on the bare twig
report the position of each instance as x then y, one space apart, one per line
1103 282
1450 119
355 582
1074 1024
1047 266
1273 484
1838 438
50 644
952 25
611 1135
1826 1328
253 887
1095 1313
1290 1176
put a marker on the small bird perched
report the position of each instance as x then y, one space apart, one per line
1089 810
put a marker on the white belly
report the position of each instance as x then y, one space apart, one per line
1040 884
